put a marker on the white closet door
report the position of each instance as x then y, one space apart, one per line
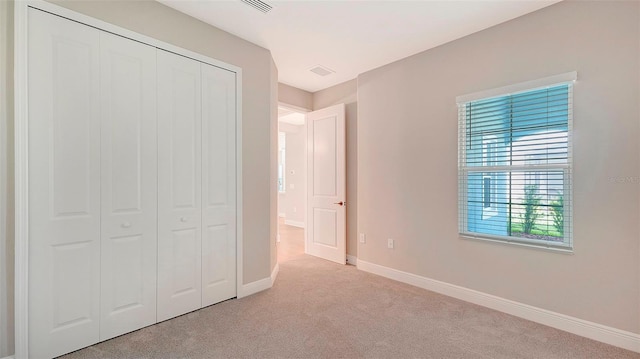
64 185
218 184
179 185
129 185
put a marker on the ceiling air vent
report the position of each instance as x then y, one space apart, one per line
321 70
259 5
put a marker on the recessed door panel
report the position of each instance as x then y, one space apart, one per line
128 186
128 279
71 281
218 265
64 185
185 248
218 184
324 156
71 168
325 227
179 181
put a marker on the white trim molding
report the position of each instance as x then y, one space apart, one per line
9 357
274 273
568 77
352 260
293 108
4 309
254 287
293 223
21 136
259 285
620 338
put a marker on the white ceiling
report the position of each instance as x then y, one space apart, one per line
350 37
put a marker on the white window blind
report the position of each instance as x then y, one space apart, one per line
515 164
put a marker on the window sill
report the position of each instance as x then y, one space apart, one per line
562 248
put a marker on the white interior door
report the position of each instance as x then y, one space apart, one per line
179 185
218 184
64 185
129 185
326 184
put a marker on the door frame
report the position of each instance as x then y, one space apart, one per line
21 136
4 336
304 111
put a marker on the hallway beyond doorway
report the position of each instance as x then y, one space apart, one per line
291 243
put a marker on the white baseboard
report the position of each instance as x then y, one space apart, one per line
352 260
259 285
283 215
274 273
294 223
9 357
254 287
591 330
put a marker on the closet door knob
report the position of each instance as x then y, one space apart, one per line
183 219
125 225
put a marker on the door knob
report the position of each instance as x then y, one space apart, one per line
183 219
341 203
125 225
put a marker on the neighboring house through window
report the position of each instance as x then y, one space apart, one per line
515 163
489 179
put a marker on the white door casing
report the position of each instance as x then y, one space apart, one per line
326 184
218 184
179 185
64 185
129 185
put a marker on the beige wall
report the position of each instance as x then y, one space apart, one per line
346 93
295 96
407 161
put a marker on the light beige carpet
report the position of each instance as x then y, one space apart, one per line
318 309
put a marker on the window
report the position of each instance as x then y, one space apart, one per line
515 163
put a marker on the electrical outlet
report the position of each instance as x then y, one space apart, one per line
363 238
390 243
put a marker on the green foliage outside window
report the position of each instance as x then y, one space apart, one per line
557 213
531 206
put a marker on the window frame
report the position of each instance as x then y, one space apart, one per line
282 170
463 169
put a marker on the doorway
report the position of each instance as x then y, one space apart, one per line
292 183
312 182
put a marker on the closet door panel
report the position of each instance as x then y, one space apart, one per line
129 185
179 170
218 184
64 185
